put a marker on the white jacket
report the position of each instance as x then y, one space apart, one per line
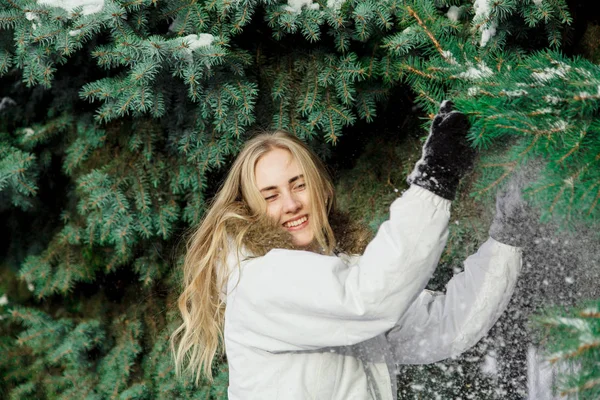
300 325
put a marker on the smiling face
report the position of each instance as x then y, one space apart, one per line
282 184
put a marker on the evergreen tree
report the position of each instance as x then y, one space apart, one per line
118 119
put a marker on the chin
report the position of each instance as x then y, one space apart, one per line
303 242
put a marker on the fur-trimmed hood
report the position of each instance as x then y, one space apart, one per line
260 235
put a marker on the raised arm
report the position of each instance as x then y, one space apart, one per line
296 300
438 326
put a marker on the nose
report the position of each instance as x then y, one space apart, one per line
291 203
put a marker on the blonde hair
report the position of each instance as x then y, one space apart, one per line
196 341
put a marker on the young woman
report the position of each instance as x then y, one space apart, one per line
307 309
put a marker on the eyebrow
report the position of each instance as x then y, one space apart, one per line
292 180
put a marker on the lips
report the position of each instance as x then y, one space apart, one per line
297 223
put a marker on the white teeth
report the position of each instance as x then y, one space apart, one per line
296 222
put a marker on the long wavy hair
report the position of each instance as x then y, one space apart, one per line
238 203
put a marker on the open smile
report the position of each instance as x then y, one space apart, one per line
296 224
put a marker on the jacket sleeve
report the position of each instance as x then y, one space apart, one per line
439 326
293 300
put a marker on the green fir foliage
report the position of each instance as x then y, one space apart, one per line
572 339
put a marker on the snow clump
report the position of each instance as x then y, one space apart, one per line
3 300
447 54
88 6
476 73
334 4
195 41
295 6
552 99
482 13
454 13
473 91
514 93
28 132
560 125
32 17
551 73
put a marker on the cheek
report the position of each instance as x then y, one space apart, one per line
273 211
306 199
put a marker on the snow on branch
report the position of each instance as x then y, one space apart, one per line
88 6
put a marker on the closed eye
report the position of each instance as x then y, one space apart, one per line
272 197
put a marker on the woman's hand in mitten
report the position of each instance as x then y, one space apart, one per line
510 224
447 156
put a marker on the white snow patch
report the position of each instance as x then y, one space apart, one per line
75 32
551 73
584 72
3 300
488 33
543 110
482 13
335 4
195 41
552 99
569 181
447 54
473 90
587 96
482 8
537 2
33 17
454 13
30 286
295 6
477 72
88 6
569 280
561 125
28 132
514 93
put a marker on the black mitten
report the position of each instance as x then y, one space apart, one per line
447 156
